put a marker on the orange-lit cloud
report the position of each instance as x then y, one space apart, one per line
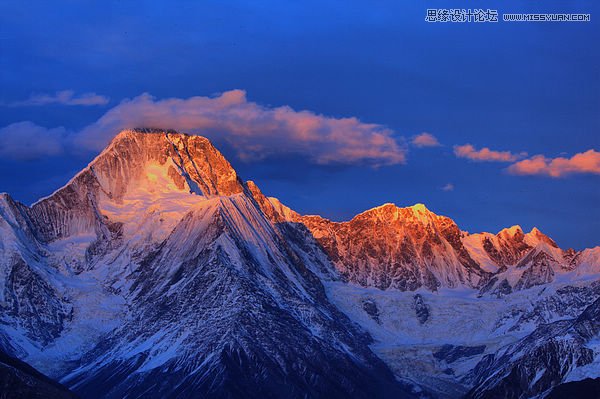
425 140
64 97
256 131
583 162
485 154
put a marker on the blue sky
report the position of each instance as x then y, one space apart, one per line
511 87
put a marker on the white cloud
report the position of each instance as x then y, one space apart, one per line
26 141
255 131
65 97
448 187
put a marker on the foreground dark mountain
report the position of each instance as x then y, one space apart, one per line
158 272
18 380
588 388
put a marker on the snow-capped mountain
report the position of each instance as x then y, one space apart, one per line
157 272
153 273
409 248
541 360
401 248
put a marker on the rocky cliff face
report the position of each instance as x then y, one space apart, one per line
208 296
138 168
29 300
409 248
402 248
389 247
157 272
222 307
541 360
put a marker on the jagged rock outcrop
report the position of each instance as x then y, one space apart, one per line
29 300
401 248
421 309
409 248
540 361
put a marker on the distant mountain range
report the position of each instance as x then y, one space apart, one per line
156 272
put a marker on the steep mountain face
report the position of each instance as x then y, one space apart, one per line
507 247
521 261
207 296
409 248
157 272
541 360
402 248
232 311
28 298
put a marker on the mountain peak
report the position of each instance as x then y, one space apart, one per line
390 205
535 236
511 231
150 130
420 208
162 159
390 211
149 137
6 199
383 206
141 171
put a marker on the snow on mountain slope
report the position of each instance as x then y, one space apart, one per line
409 248
412 340
531 280
543 359
222 308
296 234
174 275
49 312
157 272
401 248
272 207
526 260
30 301
588 262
